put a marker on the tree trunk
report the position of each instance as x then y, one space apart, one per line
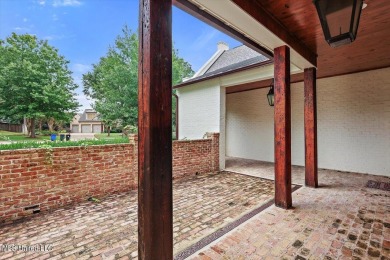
28 125
32 128
108 130
50 124
40 125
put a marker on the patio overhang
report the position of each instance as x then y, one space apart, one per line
249 23
209 18
270 24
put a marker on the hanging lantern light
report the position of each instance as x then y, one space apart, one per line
270 95
339 20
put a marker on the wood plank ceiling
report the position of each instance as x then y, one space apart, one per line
371 49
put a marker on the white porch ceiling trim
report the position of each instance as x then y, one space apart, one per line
241 77
233 16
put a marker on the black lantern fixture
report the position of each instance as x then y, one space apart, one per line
339 20
270 95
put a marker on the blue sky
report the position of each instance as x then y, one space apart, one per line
82 30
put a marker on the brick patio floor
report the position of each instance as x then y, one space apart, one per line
108 230
342 219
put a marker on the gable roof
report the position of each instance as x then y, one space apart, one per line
83 116
239 58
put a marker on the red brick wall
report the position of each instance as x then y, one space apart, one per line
38 180
189 156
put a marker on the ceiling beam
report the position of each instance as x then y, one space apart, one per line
294 78
249 86
204 16
256 11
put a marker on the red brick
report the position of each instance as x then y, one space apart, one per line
386 244
76 172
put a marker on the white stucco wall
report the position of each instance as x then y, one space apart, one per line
199 109
249 125
353 123
202 105
249 115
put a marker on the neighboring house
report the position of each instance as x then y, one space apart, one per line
87 122
228 95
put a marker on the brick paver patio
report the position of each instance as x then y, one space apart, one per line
108 230
343 219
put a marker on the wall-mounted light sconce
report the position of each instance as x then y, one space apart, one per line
270 95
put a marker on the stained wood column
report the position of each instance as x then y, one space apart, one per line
282 127
311 161
155 237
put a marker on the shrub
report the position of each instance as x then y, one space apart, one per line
47 132
49 144
4 138
130 129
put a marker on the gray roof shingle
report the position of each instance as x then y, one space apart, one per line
231 60
235 56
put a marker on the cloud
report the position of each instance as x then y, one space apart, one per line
25 19
54 17
59 3
78 80
21 29
53 37
79 68
84 101
41 2
204 39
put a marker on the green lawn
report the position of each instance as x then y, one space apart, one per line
20 141
18 137
113 136
8 133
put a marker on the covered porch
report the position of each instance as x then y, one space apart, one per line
290 35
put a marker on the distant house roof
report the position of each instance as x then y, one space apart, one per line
83 116
228 61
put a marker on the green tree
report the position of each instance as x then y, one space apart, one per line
113 82
35 81
180 69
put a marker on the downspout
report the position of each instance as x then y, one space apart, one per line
177 115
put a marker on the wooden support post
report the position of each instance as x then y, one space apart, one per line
282 127
311 164
155 212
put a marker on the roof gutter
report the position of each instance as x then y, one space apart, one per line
177 115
